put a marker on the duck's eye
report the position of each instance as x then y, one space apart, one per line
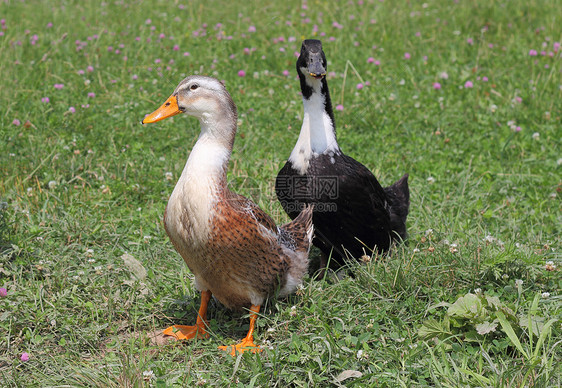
193 87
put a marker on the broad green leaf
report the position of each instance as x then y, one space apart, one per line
486 327
432 328
532 323
468 306
494 302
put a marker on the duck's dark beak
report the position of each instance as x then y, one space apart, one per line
168 109
315 67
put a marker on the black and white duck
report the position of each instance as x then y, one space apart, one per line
353 214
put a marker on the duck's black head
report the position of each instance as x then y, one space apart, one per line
312 60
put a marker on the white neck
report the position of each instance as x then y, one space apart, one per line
209 156
317 134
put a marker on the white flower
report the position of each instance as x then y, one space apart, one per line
477 290
147 375
293 311
535 136
518 282
430 179
545 295
444 75
169 175
549 265
52 184
359 353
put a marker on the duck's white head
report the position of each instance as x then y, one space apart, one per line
205 98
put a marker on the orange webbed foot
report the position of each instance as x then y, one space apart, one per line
182 332
246 345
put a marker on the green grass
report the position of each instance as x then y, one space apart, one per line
81 189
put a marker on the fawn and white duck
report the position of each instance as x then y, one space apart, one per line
233 248
353 214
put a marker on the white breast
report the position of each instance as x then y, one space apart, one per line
189 212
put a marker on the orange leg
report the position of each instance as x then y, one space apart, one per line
182 332
247 344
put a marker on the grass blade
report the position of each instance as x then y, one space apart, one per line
506 326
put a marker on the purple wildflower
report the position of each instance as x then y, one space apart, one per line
3 292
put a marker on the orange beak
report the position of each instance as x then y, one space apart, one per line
168 109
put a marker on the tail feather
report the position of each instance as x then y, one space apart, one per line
399 199
301 229
296 228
